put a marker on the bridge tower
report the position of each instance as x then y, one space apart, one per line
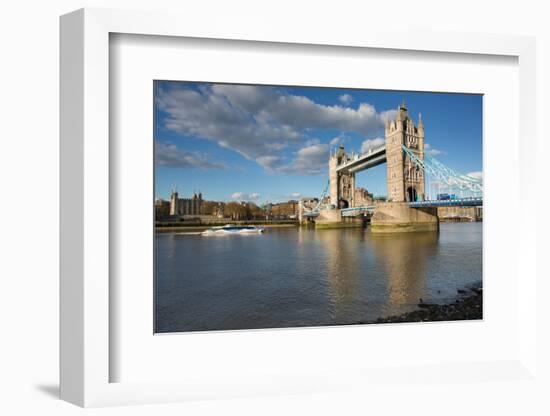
342 184
405 181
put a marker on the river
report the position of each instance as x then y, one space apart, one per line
293 277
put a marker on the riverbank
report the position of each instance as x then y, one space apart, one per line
467 306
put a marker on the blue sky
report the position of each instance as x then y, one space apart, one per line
271 143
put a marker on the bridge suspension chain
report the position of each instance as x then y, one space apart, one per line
444 174
321 198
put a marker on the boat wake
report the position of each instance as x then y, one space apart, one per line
234 230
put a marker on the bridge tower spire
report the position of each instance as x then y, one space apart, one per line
405 181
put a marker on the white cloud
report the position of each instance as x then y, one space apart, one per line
429 150
372 144
269 163
241 196
309 160
260 122
169 155
311 142
341 138
476 175
345 99
388 115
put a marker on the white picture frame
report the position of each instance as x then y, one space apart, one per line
86 356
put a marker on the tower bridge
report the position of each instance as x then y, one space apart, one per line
409 207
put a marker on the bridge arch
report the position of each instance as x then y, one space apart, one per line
412 194
343 203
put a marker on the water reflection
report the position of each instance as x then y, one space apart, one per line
404 258
340 248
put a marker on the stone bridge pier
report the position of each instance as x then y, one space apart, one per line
398 217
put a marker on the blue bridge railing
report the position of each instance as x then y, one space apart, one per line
458 202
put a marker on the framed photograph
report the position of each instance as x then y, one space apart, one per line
278 229
247 215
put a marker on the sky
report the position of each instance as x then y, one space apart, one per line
271 143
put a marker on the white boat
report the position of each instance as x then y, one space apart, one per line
233 229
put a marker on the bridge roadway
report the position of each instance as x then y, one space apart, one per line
357 163
459 202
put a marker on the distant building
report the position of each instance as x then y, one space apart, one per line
162 209
287 209
363 197
186 206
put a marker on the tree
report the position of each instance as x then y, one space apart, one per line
235 210
254 211
210 207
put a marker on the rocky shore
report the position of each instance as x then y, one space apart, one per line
467 306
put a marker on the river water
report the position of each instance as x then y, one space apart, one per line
290 277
